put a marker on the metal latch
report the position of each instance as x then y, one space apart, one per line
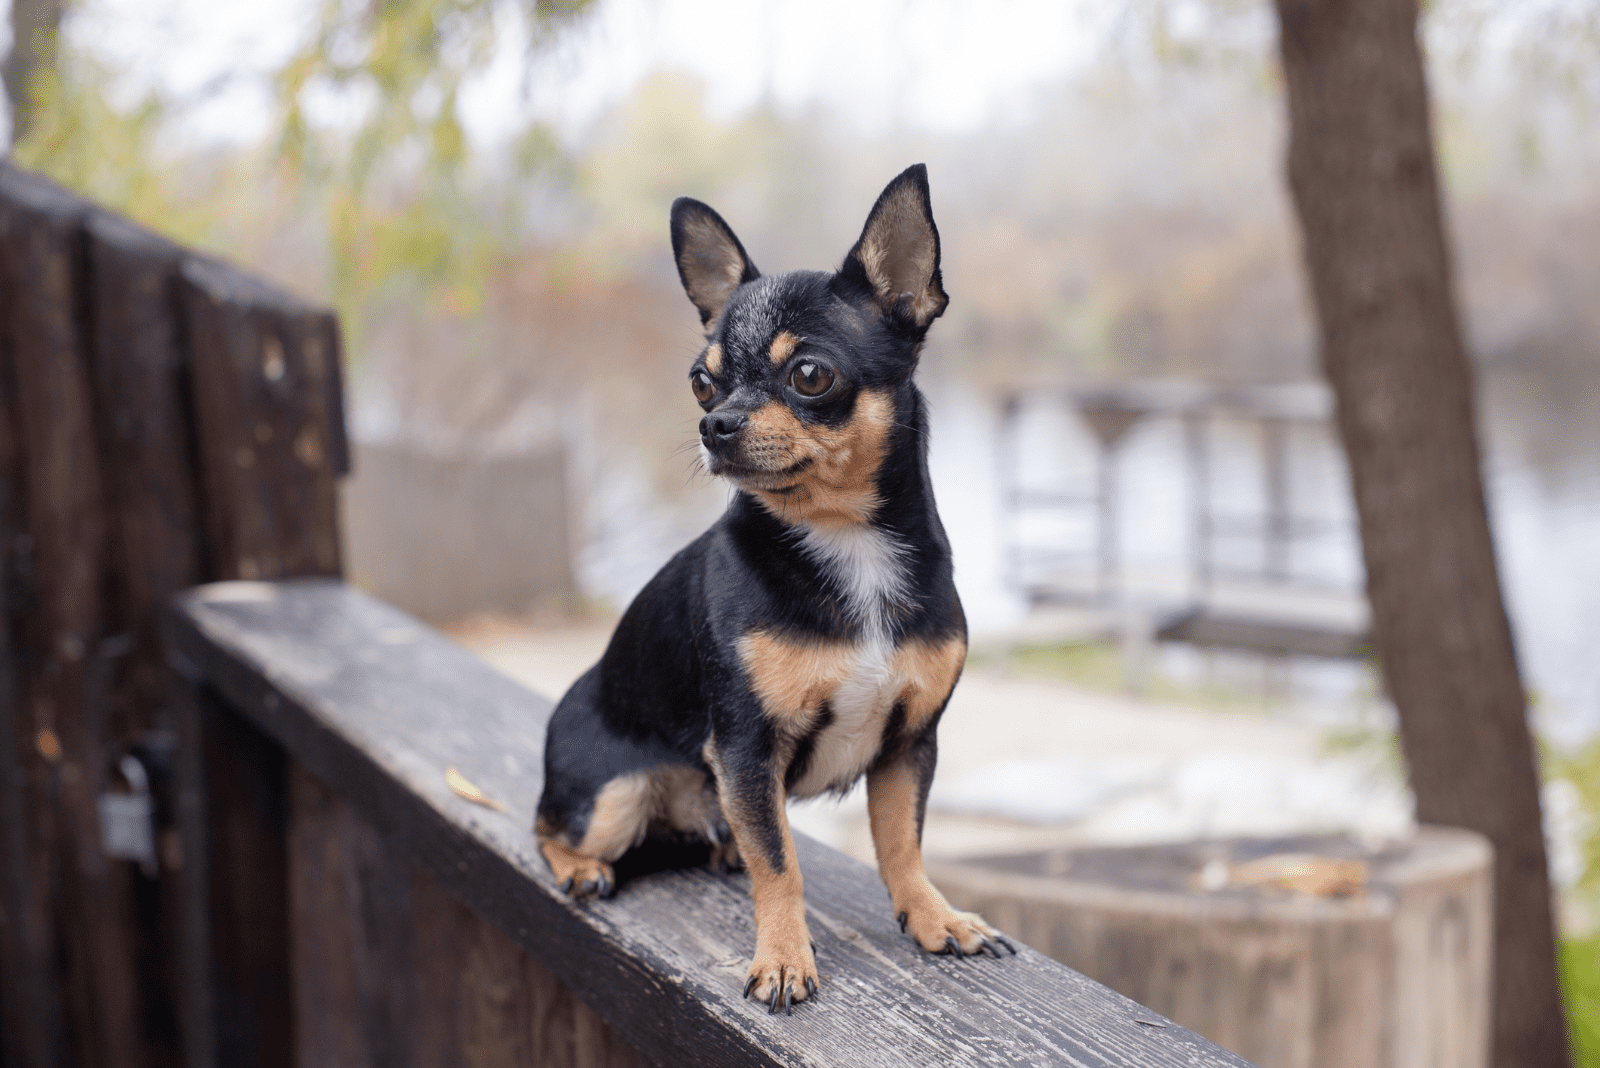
128 821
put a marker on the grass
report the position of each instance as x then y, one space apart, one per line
1580 989
1101 666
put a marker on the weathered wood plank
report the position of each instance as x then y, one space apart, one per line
33 1031
140 372
234 820
392 972
271 433
269 437
74 909
376 706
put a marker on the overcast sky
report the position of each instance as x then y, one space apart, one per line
936 64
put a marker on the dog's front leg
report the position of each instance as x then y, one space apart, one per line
897 796
784 968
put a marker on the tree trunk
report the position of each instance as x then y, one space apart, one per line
1361 169
35 25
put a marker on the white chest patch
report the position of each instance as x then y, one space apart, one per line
865 565
861 704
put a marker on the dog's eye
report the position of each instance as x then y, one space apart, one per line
811 379
704 388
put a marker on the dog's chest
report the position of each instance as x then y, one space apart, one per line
847 726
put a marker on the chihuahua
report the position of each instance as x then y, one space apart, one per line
813 635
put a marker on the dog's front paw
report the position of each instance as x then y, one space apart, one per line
938 928
782 977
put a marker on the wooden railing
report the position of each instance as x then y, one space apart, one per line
314 893
378 857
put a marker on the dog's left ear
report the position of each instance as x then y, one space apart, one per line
898 252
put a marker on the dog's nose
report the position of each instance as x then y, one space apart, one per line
718 427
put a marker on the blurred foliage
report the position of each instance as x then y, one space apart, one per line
395 184
1579 959
368 140
79 138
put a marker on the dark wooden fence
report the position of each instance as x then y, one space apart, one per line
164 421
316 894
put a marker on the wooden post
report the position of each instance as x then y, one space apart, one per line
270 444
140 367
71 988
164 420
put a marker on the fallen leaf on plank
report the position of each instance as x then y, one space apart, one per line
462 787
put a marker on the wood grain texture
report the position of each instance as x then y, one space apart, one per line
233 815
265 386
145 421
376 706
73 904
393 972
268 399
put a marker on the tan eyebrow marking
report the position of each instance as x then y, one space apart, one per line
714 359
782 348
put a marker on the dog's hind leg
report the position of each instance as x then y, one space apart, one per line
617 821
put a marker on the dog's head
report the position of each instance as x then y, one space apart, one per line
801 371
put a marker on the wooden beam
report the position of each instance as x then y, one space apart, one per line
376 706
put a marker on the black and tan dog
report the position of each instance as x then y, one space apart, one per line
813 635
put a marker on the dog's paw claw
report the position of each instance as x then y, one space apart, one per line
781 985
941 930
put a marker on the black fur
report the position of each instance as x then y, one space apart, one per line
672 678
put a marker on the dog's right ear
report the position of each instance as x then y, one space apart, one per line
711 262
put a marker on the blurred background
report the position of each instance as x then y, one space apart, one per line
1150 513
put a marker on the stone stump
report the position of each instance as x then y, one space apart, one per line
1300 952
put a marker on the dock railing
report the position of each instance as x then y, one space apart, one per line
307 886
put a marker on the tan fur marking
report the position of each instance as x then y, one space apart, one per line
892 799
838 485
669 797
620 818
793 679
928 673
782 348
714 359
